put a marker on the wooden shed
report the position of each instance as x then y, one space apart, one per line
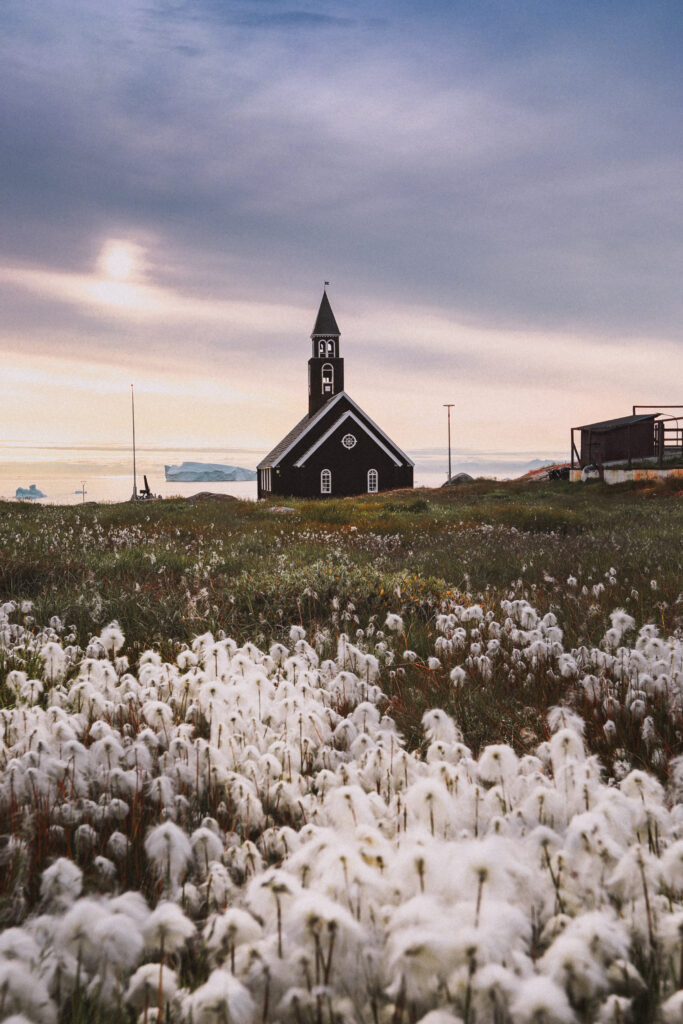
622 439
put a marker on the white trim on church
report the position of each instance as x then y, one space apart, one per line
323 412
348 415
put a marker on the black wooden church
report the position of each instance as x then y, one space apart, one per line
336 449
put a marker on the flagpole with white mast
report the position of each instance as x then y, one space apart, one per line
135 479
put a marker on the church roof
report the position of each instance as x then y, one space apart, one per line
325 324
305 425
287 441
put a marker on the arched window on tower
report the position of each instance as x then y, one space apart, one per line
326 481
330 348
373 481
328 378
321 348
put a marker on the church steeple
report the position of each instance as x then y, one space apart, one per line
325 367
325 324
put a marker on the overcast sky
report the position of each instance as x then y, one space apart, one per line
493 189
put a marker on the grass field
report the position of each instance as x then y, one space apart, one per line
171 570
529 615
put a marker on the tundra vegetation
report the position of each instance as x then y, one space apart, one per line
412 757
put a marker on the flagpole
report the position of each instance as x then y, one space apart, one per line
449 406
135 479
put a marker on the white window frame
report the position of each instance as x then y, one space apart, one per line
327 384
321 349
326 481
373 478
330 348
266 480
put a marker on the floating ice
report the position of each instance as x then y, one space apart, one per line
31 493
196 472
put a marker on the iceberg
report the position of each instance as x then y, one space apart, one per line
31 493
200 472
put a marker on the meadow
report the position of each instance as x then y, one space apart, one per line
411 757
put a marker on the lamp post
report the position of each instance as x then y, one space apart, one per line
449 406
83 490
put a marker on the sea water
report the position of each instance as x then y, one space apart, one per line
106 473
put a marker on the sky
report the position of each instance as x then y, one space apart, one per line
493 189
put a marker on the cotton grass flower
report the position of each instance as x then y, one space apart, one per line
539 1000
223 999
170 851
23 992
151 985
61 883
167 929
224 932
54 660
420 881
111 638
672 1009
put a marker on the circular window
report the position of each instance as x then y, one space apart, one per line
349 441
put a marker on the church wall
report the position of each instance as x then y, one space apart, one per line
348 467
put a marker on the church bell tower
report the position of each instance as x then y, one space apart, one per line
325 367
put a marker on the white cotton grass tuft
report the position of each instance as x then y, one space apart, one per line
118 940
672 1009
206 847
169 849
394 622
22 991
498 763
622 621
243 761
224 932
150 982
438 725
616 1010
566 746
111 638
540 999
61 883
55 662
16 944
561 717
167 928
222 998
458 676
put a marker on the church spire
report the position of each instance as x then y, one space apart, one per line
325 367
325 324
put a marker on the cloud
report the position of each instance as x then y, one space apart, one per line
506 187
492 190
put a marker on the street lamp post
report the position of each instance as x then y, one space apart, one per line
449 406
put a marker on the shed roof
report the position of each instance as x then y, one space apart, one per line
325 324
604 426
